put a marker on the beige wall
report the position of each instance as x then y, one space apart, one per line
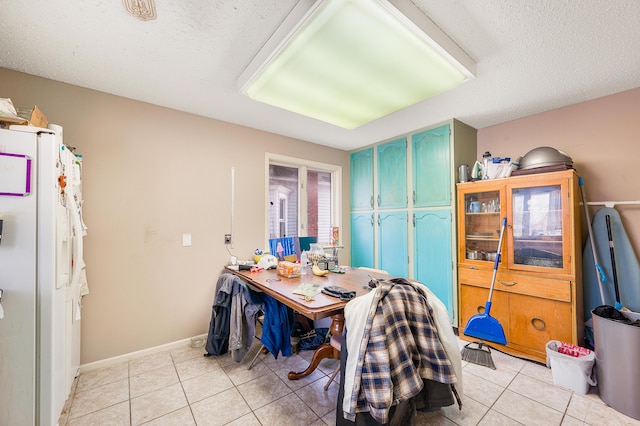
602 136
150 175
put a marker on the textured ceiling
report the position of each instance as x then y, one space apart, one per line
532 56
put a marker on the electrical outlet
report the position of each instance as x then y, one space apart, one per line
227 238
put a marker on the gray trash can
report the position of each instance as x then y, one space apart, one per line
617 347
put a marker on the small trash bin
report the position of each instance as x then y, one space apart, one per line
571 372
617 345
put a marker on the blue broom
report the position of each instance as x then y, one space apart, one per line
483 326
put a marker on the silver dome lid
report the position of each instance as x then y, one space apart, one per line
544 156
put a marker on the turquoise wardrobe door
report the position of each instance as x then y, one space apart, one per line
431 164
392 174
361 172
432 254
393 252
362 253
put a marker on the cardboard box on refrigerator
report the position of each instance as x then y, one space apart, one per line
21 116
34 116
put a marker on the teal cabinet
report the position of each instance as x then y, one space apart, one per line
431 167
361 174
411 180
392 174
393 254
362 240
433 253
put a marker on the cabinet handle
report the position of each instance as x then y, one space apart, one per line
371 201
538 324
508 284
378 200
414 197
372 220
480 309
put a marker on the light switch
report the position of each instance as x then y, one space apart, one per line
186 240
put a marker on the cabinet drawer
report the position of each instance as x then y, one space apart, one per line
528 322
533 321
518 283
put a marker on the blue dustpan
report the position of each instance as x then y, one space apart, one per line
483 326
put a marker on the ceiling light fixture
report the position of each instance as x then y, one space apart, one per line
349 62
144 10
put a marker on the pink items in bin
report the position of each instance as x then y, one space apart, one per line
573 350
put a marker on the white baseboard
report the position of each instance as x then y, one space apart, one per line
138 354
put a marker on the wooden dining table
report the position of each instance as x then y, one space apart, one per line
322 305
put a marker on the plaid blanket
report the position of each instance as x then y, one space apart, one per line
400 347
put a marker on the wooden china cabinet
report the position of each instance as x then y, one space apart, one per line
538 291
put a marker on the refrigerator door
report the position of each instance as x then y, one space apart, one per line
73 200
18 280
53 269
35 274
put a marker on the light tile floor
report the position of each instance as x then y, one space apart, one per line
182 387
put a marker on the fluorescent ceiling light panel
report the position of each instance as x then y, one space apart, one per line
349 62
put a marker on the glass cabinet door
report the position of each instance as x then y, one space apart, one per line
482 219
537 228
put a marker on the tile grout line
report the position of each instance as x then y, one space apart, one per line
506 387
183 391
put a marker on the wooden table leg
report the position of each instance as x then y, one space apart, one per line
324 351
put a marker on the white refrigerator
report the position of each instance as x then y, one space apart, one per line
42 277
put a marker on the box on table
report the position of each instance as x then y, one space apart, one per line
288 269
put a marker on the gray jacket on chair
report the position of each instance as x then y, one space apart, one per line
234 311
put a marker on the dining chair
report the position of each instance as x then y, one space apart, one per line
336 340
378 271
